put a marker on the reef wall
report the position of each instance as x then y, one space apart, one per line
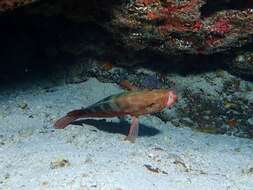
174 27
166 27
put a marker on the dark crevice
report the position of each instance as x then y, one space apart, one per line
32 45
178 64
213 6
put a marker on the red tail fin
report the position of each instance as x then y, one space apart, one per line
66 120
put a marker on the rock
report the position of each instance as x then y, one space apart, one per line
175 27
250 121
243 64
171 27
22 105
59 164
249 97
76 73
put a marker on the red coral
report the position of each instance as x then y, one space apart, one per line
169 10
190 7
181 26
197 25
221 26
152 15
174 23
174 18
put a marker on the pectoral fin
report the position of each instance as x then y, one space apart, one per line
134 129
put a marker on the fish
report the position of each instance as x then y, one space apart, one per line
134 103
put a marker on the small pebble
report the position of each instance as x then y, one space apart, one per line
45 183
59 164
22 105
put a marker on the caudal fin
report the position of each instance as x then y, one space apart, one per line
66 120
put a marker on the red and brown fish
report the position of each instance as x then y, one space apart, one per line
134 103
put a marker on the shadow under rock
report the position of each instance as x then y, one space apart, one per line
122 127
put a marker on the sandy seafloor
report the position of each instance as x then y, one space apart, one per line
94 154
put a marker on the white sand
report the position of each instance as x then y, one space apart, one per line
98 156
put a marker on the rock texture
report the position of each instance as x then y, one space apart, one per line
174 27
242 64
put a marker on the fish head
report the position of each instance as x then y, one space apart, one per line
171 98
